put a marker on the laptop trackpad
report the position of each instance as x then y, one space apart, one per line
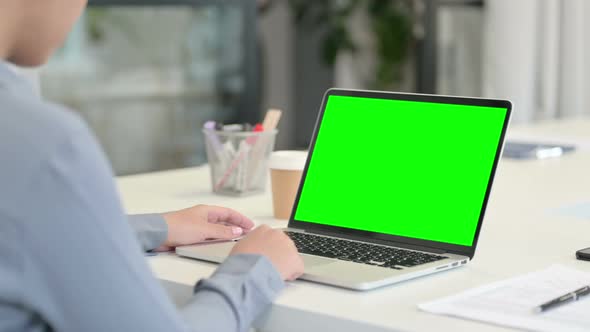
315 261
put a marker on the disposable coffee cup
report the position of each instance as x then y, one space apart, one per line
286 168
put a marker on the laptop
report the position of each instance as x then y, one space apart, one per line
395 187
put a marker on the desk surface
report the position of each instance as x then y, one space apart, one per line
521 232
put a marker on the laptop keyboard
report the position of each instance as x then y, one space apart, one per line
360 252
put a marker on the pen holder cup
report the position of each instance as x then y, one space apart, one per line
238 160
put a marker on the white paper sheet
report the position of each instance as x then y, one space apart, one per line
511 302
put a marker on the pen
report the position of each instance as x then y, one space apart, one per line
209 126
572 296
270 123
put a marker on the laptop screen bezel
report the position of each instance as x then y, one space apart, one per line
395 239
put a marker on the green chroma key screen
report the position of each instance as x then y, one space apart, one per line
406 168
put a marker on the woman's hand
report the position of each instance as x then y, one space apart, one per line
203 222
276 246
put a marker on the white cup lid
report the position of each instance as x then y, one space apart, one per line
288 160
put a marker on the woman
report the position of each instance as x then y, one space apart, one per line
68 257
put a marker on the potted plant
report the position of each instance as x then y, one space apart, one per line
375 35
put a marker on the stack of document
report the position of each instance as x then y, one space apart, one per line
512 302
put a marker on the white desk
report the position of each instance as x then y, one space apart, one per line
519 234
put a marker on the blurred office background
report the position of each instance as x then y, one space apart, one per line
146 74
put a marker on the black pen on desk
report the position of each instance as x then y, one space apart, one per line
569 297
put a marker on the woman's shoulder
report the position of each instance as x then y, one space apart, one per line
32 125
32 132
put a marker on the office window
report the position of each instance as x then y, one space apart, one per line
146 77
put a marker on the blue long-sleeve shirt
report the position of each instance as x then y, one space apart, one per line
150 230
69 260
